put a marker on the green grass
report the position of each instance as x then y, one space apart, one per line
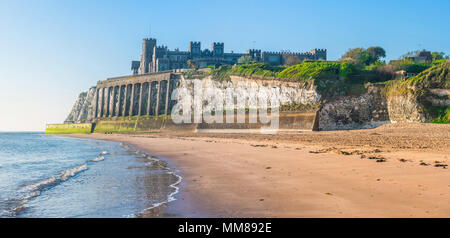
256 69
437 76
319 69
299 72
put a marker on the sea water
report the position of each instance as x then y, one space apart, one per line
50 176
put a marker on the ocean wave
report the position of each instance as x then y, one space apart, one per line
72 172
41 184
33 189
16 205
27 192
100 158
32 195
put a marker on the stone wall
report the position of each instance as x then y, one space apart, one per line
287 122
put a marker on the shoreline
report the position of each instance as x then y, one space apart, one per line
307 174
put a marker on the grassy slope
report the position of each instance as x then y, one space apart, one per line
435 77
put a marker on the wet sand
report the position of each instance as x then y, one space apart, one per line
396 170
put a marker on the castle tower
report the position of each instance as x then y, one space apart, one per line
217 49
160 59
147 54
194 49
255 54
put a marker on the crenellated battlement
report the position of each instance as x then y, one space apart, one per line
297 53
318 50
159 58
218 44
194 43
162 47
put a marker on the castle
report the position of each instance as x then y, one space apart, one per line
159 58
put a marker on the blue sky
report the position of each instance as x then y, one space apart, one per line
50 51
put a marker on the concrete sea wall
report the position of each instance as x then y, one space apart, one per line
69 128
287 122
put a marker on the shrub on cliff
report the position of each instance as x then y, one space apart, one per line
409 65
443 116
245 59
256 69
221 73
299 72
361 56
320 69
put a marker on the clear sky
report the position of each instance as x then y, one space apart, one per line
50 51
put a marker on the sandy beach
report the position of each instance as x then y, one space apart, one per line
396 170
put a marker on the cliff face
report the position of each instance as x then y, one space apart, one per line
82 110
354 112
368 110
405 109
419 99
376 108
288 93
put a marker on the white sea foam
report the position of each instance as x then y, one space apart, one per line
104 152
35 189
41 184
72 172
171 196
31 195
100 158
153 159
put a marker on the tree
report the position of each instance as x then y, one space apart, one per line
437 55
376 53
363 56
357 55
245 59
